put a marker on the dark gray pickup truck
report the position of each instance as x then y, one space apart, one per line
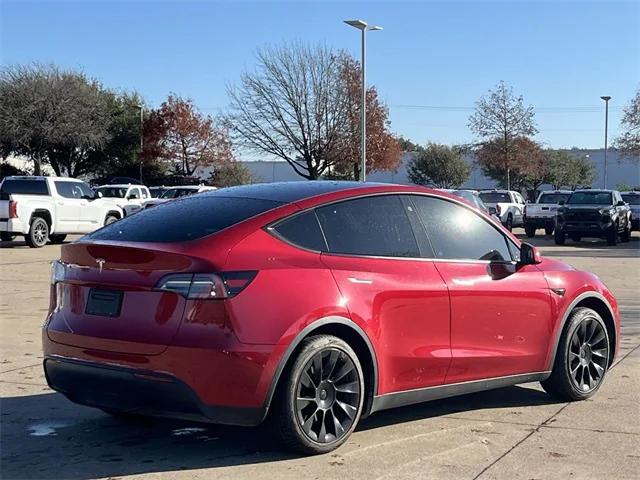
593 213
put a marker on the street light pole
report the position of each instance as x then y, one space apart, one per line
363 27
141 108
606 99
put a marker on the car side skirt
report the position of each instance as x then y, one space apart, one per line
410 397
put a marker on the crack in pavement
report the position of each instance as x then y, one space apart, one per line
21 368
544 424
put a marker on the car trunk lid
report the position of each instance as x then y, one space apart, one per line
105 299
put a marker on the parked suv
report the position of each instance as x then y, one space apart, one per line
48 208
542 214
509 206
128 197
594 213
633 199
315 304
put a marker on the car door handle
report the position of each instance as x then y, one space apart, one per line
61 203
364 281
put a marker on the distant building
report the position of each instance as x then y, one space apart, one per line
619 170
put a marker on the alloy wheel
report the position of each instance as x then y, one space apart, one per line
328 396
40 233
588 355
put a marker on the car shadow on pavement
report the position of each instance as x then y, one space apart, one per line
46 436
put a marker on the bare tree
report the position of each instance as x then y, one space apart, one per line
501 117
629 140
292 107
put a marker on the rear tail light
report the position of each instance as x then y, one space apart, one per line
206 286
524 211
13 209
498 209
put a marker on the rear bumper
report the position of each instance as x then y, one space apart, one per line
540 222
13 225
139 391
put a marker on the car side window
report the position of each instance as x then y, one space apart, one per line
135 193
376 226
85 190
68 189
302 230
458 233
145 193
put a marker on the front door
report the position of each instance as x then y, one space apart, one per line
501 319
399 297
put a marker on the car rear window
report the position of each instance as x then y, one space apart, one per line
553 197
185 219
492 197
23 187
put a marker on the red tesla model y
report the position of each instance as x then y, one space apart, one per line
313 304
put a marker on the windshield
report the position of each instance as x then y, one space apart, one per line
590 198
113 192
156 192
494 197
631 199
553 197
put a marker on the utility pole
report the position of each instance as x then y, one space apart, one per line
606 99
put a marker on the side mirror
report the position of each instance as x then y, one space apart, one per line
620 203
98 195
562 202
492 210
529 255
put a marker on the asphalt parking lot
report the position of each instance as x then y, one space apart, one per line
516 432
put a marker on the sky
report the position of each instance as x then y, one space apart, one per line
430 64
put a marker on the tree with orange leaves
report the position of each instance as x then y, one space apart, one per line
179 134
383 149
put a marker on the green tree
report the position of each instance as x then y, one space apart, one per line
231 174
52 115
502 118
525 168
438 165
568 170
629 140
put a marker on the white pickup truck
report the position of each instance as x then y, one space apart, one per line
542 214
48 208
128 197
509 206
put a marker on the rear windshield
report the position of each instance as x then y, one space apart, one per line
553 197
185 219
631 199
590 198
24 187
492 197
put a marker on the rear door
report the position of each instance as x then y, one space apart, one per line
501 320
398 296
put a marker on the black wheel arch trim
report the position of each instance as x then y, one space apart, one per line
565 318
305 332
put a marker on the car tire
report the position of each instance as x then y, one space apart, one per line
509 223
110 219
625 236
612 236
530 231
548 230
38 235
582 357
314 411
6 236
558 237
57 239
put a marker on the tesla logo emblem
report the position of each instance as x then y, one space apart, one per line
100 262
